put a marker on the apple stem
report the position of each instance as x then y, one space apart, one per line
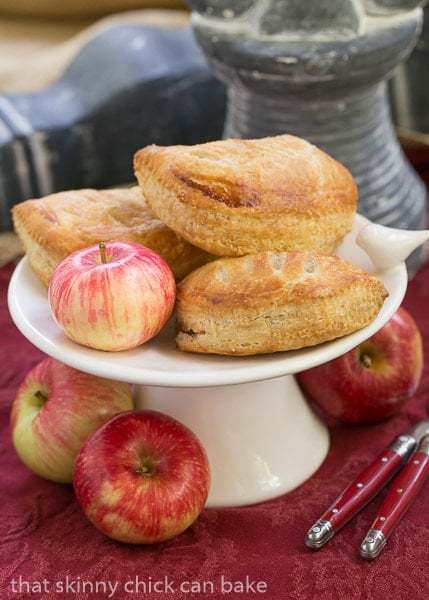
41 396
366 361
102 247
144 470
146 467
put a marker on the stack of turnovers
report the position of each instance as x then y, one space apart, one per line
258 199
53 227
252 223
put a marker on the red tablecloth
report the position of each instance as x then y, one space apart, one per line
44 535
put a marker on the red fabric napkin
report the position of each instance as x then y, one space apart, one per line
45 536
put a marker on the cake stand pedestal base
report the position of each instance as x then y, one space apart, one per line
262 439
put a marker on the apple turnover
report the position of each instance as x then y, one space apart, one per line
270 302
237 197
55 226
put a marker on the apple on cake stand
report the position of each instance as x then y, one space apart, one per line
261 437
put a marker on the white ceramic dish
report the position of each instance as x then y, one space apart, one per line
261 437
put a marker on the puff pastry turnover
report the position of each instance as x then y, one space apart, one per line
52 227
271 302
237 197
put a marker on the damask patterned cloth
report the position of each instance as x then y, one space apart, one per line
46 542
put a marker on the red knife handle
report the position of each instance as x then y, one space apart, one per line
405 488
369 482
363 488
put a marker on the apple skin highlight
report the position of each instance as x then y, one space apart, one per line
142 478
55 410
113 305
373 381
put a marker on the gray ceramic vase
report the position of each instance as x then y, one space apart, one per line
319 70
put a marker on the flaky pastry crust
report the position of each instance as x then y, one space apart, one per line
52 227
237 197
271 302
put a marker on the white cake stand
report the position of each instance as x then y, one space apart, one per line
261 437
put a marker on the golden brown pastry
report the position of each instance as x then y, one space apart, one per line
52 227
237 197
271 302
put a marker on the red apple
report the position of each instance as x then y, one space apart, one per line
373 381
112 297
142 478
55 410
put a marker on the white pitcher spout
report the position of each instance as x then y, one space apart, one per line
387 247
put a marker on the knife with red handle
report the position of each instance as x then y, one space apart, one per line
369 483
405 488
